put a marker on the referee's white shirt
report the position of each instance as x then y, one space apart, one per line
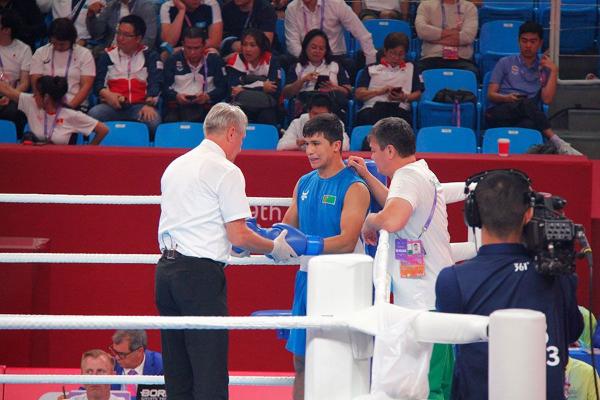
201 192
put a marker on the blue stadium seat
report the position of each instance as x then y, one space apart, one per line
126 133
359 133
8 131
179 134
446 139
516 10
431 113
260 137
521 139
280 32
497 39
578 24
380 28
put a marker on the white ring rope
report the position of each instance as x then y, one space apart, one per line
93 258
92 322
135 379
116 199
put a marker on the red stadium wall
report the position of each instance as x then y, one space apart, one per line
94 289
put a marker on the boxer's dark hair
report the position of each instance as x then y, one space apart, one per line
329 125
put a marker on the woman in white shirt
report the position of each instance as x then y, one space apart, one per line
49 120
62 57
315 71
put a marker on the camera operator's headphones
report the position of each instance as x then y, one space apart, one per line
471 214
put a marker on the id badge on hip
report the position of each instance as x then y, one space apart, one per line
411 257
450 53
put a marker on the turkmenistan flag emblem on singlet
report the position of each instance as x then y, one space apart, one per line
329 199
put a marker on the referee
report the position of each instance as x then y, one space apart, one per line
203 211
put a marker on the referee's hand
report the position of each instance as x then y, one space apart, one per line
282 251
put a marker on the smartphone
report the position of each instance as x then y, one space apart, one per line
397 90
190 97
321 80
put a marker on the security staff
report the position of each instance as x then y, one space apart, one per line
203 212
503 275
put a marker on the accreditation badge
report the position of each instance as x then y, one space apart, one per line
411 257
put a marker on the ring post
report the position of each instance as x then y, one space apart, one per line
517 348
338 285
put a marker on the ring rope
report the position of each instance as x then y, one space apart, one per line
117 199
98 258
92 322
135 379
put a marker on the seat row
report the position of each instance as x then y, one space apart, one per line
439 139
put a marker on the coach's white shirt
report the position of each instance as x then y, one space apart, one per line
337 15
201 192
416 183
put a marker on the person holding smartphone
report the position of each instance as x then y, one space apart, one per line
387 88
521 84
194 80
315 72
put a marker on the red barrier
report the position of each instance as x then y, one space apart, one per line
128 289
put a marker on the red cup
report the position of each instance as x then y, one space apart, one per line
503 147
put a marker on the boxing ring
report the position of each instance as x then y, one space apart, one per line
343 328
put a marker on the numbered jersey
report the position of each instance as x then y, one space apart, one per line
503 276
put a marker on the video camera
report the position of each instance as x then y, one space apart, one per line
550 236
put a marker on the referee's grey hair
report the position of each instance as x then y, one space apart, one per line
221 116
137 338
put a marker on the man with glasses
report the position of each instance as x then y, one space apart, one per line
129 348
129 77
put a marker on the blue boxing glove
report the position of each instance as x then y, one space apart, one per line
302 244
254 227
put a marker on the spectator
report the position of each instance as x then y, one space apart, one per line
102 21
448 29
293 138
316 71
129 78
331 17
194 79
129 348
239 15
254 79
96 362
49 121
387 88
381 9
177 16
31 22
502 275
520 84
76 11
63 57
15 60
579 380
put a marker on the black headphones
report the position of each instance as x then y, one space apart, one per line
472 217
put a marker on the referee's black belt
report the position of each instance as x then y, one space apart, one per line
174 255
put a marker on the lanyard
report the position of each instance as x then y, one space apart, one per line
430 218
204 67
76 9
444 12
68 63
247 23
322 17
187 20
48 134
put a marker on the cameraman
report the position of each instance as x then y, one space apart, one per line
503 275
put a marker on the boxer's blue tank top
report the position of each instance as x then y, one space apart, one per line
320 201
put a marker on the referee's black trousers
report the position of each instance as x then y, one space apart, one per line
195 361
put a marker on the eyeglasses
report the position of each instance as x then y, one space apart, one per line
125 34
119 354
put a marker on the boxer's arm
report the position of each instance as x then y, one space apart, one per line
291 215
356 205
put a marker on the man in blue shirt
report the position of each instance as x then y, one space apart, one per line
330 202
520 84
503 275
